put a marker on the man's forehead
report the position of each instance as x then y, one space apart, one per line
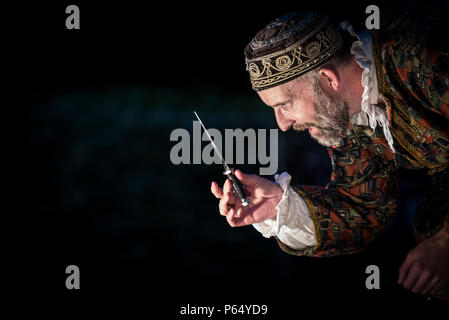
280 94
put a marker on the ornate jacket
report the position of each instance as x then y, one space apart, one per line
356 205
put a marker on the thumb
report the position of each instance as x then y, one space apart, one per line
247 179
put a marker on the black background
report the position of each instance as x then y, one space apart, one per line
160 243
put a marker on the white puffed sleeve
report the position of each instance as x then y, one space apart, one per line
293 225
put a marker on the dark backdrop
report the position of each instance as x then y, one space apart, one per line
93 184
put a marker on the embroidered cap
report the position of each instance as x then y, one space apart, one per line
290 46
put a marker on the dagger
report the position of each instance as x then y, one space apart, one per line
228 172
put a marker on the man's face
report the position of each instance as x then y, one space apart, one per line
304 105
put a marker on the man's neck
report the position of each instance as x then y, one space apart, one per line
352 90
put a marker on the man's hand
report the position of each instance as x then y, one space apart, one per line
426 268
262 194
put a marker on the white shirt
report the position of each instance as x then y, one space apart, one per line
293 225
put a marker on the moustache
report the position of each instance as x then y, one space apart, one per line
304 126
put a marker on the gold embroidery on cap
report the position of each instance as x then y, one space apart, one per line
304 55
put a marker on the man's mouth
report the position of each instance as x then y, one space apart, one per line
304 126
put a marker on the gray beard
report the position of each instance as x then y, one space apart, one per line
331 117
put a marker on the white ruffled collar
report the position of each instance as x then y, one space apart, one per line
371 113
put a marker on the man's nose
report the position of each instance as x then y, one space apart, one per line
283 122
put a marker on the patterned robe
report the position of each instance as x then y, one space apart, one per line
412 65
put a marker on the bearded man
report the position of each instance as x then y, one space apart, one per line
379 100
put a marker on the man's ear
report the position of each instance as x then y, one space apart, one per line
330 77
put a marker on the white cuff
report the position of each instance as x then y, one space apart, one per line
293 225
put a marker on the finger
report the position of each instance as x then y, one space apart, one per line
430 286
412 277
247 179
216 190
437 287
424 278
223 205
404 269
227 201
230 217
227 187
239 212
246 216
237 222
232 199
227 191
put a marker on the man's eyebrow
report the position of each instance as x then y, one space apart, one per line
280 103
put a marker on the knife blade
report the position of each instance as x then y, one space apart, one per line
237 186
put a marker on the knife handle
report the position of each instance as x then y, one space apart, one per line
237 187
